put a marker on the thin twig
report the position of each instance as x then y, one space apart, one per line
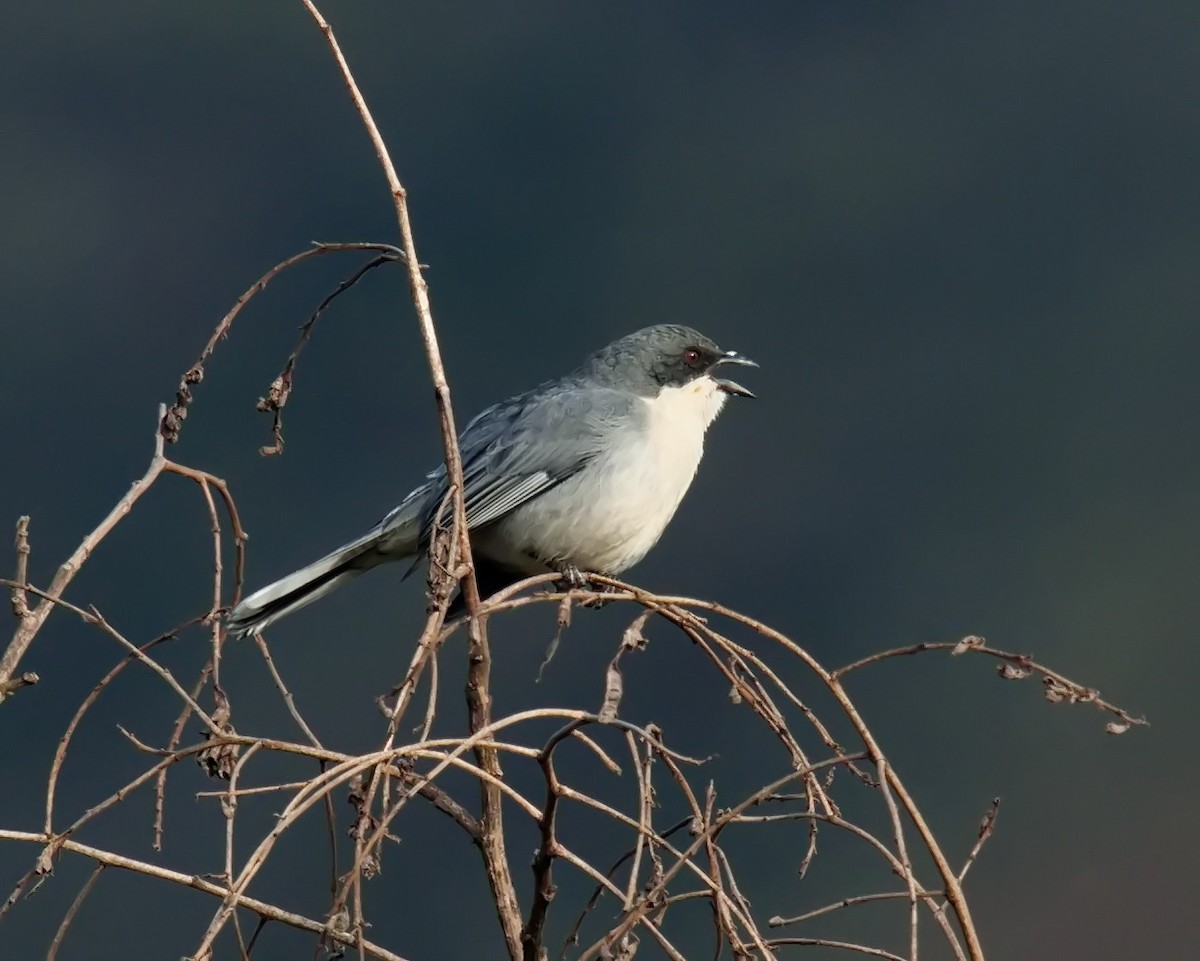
160 786
290 701
281 387
28 626
262 908
778 921
1058 687
171 419
20 603
544 889
573 936
843 945
52 951
207 480
902 849
987 825
60 752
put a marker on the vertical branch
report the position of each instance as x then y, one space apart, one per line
20 600
160 782
902 850
491 842
478 683
643 771
419 288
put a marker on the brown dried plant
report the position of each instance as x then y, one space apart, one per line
657 868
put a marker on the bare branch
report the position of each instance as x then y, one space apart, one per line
262 908
52 951
1058 688
281 387
479 698
172 418
30 623
20 603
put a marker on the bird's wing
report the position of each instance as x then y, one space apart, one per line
524 446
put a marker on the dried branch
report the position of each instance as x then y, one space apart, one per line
52 951
160 786
262 908
60 753
20 603
777 922
479 697
902 849
30 623
172 418
1058 687
843 945
281 387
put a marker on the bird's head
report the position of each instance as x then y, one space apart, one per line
667 356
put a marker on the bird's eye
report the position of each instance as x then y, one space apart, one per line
692 357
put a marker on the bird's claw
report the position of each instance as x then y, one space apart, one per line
572 578
595 603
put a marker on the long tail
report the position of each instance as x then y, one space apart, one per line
267 605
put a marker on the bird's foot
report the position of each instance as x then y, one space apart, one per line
595 603
571 578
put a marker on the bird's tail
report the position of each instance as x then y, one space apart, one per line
302 587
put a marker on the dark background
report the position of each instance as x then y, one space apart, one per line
962 242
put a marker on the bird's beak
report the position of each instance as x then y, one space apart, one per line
729 386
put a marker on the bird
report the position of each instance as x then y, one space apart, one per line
578 475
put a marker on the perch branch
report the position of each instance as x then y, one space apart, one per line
478 693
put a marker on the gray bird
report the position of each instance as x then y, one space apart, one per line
579 474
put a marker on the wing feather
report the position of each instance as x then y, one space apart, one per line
521 448
497 499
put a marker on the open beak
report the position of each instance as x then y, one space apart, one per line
729 386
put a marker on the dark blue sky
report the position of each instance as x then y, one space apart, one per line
963 243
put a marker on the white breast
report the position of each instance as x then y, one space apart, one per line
606 518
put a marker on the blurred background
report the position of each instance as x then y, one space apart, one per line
961 240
